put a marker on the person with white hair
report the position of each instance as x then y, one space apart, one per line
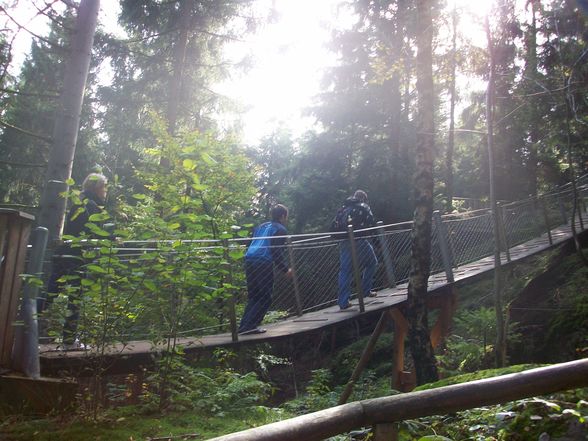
68 261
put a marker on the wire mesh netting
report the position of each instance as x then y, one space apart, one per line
139 288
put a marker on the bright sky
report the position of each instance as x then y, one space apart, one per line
289 57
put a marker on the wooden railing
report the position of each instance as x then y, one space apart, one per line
15 228
382 413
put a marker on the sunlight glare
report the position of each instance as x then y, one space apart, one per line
289 56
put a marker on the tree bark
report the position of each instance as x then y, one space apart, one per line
418 329
451 135
67 120
500 345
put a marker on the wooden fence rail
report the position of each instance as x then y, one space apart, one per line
383 411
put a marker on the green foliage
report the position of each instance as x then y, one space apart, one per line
209 391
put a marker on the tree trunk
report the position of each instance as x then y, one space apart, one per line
418 329
67 120
500 347
532 78
451 136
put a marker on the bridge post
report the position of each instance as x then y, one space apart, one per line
232 312
25 353
444 246
386 254
294 276
502 230
546 219
356 268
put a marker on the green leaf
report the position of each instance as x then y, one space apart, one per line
209 160
95 229
434 438
96 269
70 182
99 217
188 164
149 285
139 196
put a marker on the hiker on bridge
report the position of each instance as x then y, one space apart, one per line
357 213
68 260
265 251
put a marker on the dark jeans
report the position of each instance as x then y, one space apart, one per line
260 285
65 266
368 263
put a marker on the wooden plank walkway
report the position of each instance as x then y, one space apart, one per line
53 360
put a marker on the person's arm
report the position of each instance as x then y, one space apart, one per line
370 221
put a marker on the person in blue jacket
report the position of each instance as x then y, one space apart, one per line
265 251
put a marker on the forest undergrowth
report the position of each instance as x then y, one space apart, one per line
548 304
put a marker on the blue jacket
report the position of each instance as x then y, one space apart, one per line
266 248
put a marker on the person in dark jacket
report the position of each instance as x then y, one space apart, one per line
265 251
68 260
356 212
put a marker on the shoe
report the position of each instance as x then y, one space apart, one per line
342 308
77 345
253 331
373 294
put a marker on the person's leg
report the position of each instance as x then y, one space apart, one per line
72 317
369 263
259 289
345 272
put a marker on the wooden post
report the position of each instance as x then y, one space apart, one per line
365 357
294 276
444 246
386 255
15 227
356 268
231 300
400 333
25 354
546 218
446 304
386 432
502 229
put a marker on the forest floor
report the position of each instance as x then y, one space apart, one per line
547 299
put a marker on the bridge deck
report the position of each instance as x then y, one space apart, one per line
52 359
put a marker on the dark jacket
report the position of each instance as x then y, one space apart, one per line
355 213
77 218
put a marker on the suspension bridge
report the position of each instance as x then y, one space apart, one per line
462 250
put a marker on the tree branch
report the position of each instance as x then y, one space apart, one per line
26 132
22 164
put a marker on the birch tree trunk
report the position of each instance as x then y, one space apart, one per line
67 120
418 329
